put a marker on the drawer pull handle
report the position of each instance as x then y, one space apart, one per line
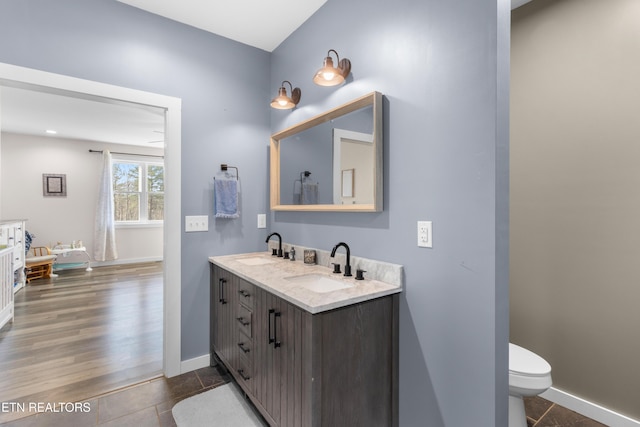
243 348
244 293
221 283
244 377
243 321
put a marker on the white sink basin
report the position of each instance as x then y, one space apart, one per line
255 261
319 283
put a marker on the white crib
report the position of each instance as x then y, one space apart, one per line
6 285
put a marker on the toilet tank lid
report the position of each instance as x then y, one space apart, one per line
526 362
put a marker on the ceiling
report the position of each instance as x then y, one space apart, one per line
247 21
251 22
32 112
259 23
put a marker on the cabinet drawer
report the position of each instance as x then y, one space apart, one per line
246 293
245 370
244 320
245 345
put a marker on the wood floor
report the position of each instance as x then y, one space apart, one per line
82 334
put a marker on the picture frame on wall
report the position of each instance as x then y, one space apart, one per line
54 185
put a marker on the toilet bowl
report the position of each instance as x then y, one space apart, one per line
529 375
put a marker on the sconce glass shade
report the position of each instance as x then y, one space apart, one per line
282 101
329 75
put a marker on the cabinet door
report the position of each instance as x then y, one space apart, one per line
222 322
294 326
279 384
263 351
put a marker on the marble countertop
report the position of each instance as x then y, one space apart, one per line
274 275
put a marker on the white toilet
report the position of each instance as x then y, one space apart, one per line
529 375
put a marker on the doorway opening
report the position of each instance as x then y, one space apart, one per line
14 76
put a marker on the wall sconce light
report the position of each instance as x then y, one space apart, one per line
282 101
329 75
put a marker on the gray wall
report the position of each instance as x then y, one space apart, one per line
437 63
575 236
443 67
225 118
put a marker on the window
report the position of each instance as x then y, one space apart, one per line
138 191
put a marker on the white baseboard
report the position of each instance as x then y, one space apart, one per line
195 363
124 261
589 409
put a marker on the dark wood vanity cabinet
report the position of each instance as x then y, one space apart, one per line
335 368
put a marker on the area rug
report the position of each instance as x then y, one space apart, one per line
223 406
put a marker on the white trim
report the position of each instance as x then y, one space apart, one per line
589 409
153 224
11 75
125 261
195 363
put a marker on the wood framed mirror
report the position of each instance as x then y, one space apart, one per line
311 160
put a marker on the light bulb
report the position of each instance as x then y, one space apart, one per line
328 75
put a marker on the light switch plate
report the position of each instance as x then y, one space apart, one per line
425 238
196 223
262 220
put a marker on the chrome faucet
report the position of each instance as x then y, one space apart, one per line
279 252
347 266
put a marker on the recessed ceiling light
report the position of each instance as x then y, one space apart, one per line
51 131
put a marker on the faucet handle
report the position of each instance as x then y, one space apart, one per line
359 275
336 267
274 252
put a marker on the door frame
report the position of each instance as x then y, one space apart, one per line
27 78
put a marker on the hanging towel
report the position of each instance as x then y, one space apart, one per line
225 197
309 193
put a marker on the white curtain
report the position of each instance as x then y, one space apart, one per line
104 247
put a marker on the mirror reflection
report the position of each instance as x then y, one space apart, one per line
332 161
314 163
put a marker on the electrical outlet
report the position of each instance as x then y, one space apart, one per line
425 238
262 220
196 223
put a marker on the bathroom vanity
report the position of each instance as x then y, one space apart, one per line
308 347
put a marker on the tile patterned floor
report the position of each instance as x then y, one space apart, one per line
144 405
543 413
